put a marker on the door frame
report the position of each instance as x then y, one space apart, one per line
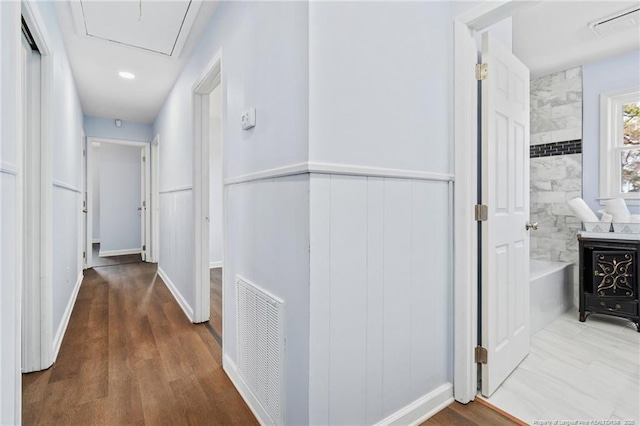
90 167
465 99
36 332
155 200
210 79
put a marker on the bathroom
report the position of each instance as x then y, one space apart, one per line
570 361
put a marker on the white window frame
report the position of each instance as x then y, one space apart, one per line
611 132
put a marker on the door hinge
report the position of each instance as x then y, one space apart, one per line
481 212
84 254
481 71
144 159
144 204
480 355
144 248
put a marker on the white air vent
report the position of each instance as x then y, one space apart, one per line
260 319
616 23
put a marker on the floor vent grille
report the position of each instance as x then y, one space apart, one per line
260 319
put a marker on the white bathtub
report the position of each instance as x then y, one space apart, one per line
551 291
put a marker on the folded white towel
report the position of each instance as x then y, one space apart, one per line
606 217
635 218
617 208
582 211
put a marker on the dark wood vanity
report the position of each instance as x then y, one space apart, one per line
609 272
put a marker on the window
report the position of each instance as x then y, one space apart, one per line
620 144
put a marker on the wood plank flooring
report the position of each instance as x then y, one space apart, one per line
215 319
471 414
130 356
112 260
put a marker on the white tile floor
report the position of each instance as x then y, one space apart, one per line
577 371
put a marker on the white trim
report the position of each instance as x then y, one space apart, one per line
209 80
252 402
176 189
176 294
610 142
422 408
67 186
92 140
465 259
107 253
8 168
88 259
62 328
155 199
217 264
39 296
93 143
338 169
465 158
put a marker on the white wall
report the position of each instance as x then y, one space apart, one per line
379 84
620 72
65 139
380 96
105 128
10 380
215 178
381 306
264 66
120 197
95 187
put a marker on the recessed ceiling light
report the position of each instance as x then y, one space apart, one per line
127 75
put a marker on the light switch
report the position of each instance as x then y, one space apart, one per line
248 119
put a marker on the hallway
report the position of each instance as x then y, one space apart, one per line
131 356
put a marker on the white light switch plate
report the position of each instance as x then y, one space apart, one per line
248 119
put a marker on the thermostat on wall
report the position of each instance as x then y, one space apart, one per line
248 119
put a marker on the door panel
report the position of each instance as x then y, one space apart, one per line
505 190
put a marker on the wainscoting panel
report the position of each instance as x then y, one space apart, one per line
176 241
381 304
66 265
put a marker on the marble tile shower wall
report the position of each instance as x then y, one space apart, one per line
556 174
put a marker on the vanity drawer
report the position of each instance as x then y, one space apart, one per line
613 306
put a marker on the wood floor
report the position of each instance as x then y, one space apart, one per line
130 356
471 414
215 319
112 260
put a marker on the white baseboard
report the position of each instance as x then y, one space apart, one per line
107 253
256 408
217 264
422 408
62 328
95 241
188 311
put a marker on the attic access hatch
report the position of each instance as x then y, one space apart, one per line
161 27
617 22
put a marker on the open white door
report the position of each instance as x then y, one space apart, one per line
505 192
144 202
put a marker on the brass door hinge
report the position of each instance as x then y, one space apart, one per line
480 355
481 71
481 212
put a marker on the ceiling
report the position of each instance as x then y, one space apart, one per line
103 38
552 36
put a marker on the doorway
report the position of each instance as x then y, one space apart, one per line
209 196
118 195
